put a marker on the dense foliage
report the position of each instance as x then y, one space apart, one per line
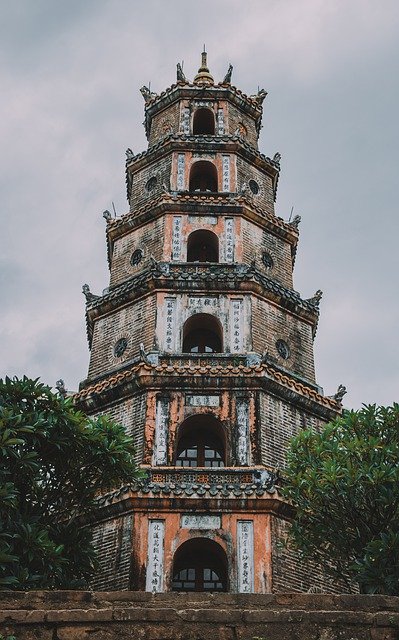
53 462
344 482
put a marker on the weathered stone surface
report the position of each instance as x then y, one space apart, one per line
69 615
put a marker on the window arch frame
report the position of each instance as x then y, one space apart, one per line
194 552
212 330
209 237
202 429
204 173
199 115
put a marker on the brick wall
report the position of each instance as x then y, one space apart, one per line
247 172
292 574
113 540
165 122
236 119
135 322
256 241
149 239
139 194
280 421
271 323
131 413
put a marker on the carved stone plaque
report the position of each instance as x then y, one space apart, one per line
203 401
161 432
155 562
181 165
229 240
236 326
170 324
200 522
226 173
242 431
245 556
176 238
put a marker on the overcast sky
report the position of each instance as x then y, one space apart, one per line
70 78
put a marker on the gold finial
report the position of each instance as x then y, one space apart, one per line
203 76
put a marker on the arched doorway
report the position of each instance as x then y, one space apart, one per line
201 443
203 177
203 122
202 246
202 333
200 565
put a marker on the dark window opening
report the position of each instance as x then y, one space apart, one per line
200 565
202 246
253 185
203 177
202 333
201 443
203 122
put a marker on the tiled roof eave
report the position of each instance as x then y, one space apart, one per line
142 375
183 200
224 142
173 275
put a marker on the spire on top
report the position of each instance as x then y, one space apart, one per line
203 76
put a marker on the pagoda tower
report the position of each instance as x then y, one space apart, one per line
203 350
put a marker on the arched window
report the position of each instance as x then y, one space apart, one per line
201 443
200 565
203 122
203 177
202 333
202 246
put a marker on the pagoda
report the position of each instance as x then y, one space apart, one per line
203 350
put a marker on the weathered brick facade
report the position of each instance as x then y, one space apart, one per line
203 350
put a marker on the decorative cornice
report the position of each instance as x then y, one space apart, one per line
205 143
184 201
216 277
181 375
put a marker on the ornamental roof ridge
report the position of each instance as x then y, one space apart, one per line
209 139
217 198
191 86
221 271
184 489
261 370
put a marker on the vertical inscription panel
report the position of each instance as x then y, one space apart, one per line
242 431
156 535
181 165
229 240
161 431
170 324
176 238
226 173
185 121
220 122
236 326
245 556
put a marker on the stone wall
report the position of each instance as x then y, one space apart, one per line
63 615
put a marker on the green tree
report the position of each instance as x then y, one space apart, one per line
344 483
54 460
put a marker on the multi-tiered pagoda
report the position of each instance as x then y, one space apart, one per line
203 350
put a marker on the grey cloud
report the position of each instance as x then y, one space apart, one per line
71 73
